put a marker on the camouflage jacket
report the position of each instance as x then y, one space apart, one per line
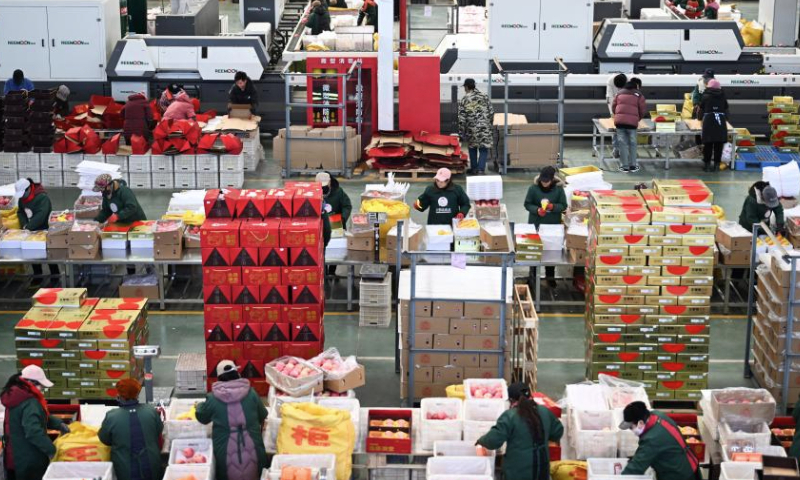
475 117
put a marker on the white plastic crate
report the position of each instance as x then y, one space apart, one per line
458 449
440 430
480 415
484 383
275 401
207 162
119 160
184 163
35 175
231 163
71 179
191 373
52 161
271 432
139 163
28 161
231 179
71 160
164 180
313 461
206 180
459 466
593 434
181 472
125 176
460 477
611 469
94 157
759 434
73 470
51 178
375 294
738 470
8 177
8 161
375 316
627 441
185 180
161 163
178 429
202 446
140 180
771 451
93 415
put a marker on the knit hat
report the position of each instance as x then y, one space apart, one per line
128 389
102 182
21 185
714 83
62 93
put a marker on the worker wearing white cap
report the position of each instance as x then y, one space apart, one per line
33 210
445 199
28 449
336 202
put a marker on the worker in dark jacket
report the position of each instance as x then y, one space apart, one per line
794 450
336 202
33 209
119 203
138 117
761 203
27 448
629 108
525 429
369 11
168 96
243 92
338 4
17 82
714 112
711 11
699 88
545 202
133 431
238 416
661 445
445 199
320 19
61 103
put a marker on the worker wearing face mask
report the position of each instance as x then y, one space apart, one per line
661 445
336 202
444 200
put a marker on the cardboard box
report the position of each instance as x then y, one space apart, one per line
354 379
448 309
141 291
361 242
307 203
273 257
481 342
464 326
220 233
260 233
448 342
465 360
415 237
251 204
85 252
221 204
245 294
244 256
532 150
315 154
217 276
306 257
495 236
299 233
59 297
448 375
735 257
301 313
168 252
261 276
215 257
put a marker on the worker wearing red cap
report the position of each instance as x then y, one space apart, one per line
444 200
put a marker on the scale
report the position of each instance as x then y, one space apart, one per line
148 353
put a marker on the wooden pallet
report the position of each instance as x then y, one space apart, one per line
416 173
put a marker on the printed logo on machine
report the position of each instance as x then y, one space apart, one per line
709 52
225 70
258 9
563 25
513 25
133 62
748 81
624 44
74 42
21 42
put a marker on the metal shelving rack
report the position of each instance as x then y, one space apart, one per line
506 263
788 355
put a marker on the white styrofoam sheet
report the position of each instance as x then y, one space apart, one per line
475 283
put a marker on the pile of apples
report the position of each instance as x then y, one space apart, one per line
739 402
398 434
441 416
65 216
689 431
168 225
330 365
6 203
329 394
193 230
188 477
783 432
486 391
296 473
487 203
293 369
399 423
190 457
84 227
692 440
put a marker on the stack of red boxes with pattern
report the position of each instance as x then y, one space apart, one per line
262 277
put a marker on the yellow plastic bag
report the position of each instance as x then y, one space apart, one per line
687 111
81 445
10 219
752 33
568 470
455 391
395 210
307 428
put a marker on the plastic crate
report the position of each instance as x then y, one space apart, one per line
206 180
52 161
161 163
207 162
140 180
181 472
485 382
120 160
163 180
316 461
71 160
34 175
28 161
8 177
231 179
770 451
8 161
93 157
71 179
199 445
759 434
190 373
178 429
605 468
738 470
231 163
375 316
185 180
139 163
594 434
376 294
51 178
433 431
271 432
73 470
184 163
459 466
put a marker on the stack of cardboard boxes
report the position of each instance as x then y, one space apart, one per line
784 124
84 240
665 117
734 242
262 254
85 345
649 282
529 144
318 148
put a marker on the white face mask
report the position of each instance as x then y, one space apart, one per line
638 430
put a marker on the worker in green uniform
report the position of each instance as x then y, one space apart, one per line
27 448
661 445
133 431
794 450
335 202
33 210
525 429
445 199
761 203
119 202
238 416
545 202
369 12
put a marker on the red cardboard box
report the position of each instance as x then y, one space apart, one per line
306 332
251 204
303 350
306 257
223 350
221 203
260 233
260 386
222 276
278 203
213 361
218 332
222 313
273 257
217 295
252 370
244 257
276 332
307 203
262 313
263 351
302 313
247 332
307 294
261 275
301 275
388 445
216 257
304 185
274 295
245 295
298 233
219 233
